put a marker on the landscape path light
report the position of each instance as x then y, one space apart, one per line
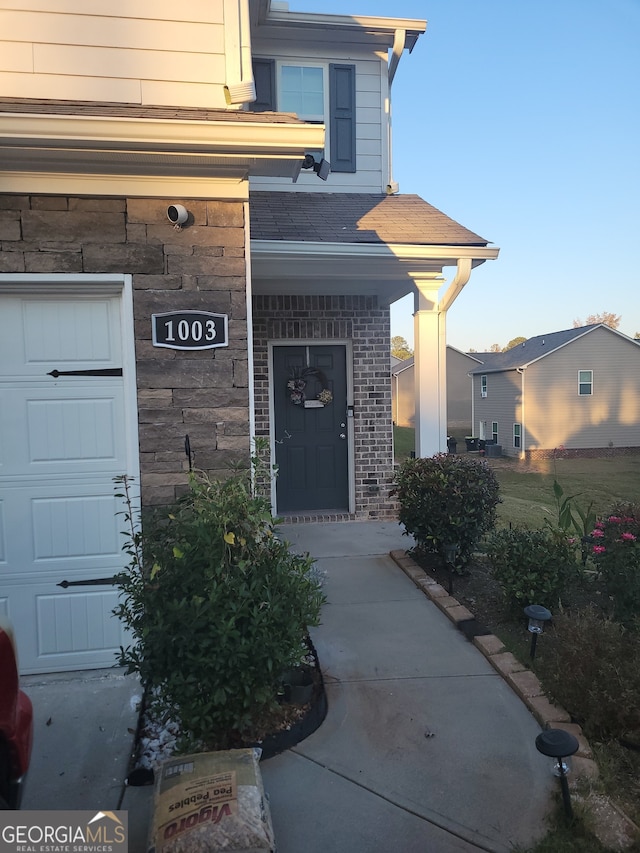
450 551
537 616
558 744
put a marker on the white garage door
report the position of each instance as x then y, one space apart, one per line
63 438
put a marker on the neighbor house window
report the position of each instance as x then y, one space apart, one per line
483 385
517 430
494 431
585 382
316 93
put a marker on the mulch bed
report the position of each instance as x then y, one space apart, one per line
289 725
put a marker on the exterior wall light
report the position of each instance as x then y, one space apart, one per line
537 616
321 169
558 744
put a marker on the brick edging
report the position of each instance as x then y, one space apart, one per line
522 681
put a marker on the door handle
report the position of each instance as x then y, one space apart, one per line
342 435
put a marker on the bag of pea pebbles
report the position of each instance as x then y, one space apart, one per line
211 801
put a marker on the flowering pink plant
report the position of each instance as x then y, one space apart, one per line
616 552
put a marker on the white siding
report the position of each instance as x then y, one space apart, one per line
371 123
150 52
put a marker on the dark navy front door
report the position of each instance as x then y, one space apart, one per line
311 437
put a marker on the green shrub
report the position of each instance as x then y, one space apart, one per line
218 607
616 551
590 665
446 499
532 566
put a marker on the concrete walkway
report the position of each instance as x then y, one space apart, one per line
425 748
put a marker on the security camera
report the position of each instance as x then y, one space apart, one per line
393 187
177 214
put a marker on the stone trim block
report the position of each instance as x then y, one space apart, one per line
546 713
505 663
488 644
457 613
525 683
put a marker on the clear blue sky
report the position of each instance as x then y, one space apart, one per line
522 122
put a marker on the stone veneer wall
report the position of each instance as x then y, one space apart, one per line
324 319
201 267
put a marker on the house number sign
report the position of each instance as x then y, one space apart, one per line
190 330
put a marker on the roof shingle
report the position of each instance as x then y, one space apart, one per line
354 218
531 350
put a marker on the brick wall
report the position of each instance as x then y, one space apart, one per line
325 319
580 453
201 267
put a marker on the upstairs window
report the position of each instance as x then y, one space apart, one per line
483 385
585 383
301 91
316 93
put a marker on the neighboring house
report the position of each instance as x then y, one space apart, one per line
403 395
160 159
459 366
578 390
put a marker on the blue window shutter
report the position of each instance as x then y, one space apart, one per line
264 75
342 126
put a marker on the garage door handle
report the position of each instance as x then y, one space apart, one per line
89 582
107 371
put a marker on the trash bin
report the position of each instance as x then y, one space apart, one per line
452 444
472 443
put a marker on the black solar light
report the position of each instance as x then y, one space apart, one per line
537 615
558 744
450 551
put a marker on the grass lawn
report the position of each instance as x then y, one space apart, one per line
526 489
404 442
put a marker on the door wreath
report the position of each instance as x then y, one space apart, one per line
298 391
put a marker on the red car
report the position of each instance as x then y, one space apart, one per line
16 723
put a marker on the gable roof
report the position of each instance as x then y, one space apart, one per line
536 348
473 356
354 218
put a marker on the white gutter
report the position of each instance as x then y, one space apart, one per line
401 251
523 430
242 90
231 137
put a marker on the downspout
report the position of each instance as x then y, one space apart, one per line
249 300
473 402
522 417
399 41
462 276
242 91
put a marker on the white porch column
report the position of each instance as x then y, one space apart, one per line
430 368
